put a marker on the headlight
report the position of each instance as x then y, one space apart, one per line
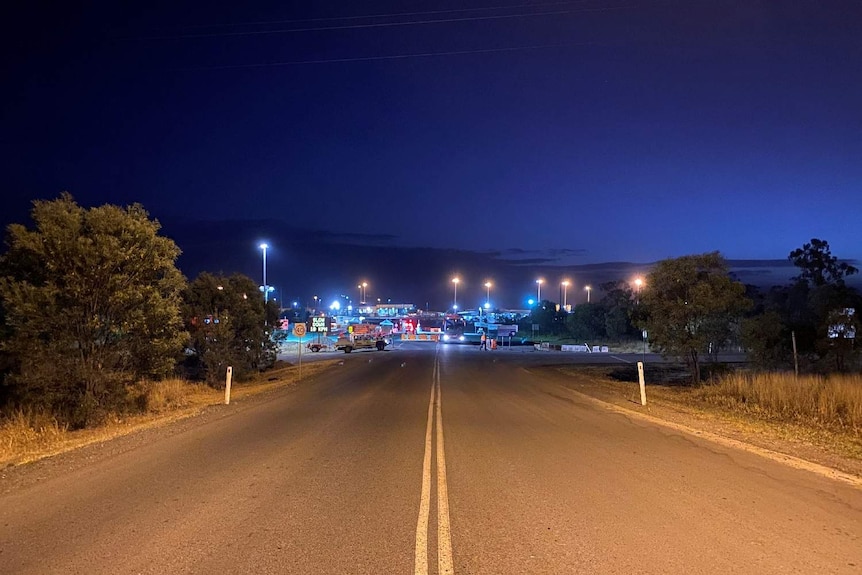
445 338
460 338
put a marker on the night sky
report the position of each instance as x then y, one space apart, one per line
402 143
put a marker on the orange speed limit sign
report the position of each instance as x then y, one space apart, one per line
299 329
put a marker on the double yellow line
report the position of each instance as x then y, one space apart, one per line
444 534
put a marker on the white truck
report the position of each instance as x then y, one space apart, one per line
349 342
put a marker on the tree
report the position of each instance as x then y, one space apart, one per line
818 267
228 324
686 302
587 322
765 337
91 301
822 299
620 304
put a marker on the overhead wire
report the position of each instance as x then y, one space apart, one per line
537 5
384 24
385 57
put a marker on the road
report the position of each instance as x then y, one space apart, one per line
433 459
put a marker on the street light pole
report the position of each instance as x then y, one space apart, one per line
565 289
539 283
488 296
455 300
265 286
589 289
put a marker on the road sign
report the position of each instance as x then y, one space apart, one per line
320 324
299 329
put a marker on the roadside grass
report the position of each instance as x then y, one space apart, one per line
833 403
815 410
27 436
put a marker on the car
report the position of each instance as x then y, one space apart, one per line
454 337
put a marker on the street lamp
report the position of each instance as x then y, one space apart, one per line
455 300
488 297
565 289
589 289
539 283
265 287
638 283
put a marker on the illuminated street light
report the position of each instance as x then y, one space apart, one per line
265 287
589 289
638 283
488 297
565 289
539 283
455 300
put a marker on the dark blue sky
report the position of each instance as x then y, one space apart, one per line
560 134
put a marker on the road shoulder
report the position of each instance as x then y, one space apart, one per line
777 442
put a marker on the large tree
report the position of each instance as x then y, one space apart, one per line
689 302
229 325
91 300
817 266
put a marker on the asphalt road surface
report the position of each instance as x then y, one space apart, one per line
432 459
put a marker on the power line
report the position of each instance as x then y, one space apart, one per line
384 25
389 57
391 14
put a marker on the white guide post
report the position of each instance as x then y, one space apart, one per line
641 381
227 379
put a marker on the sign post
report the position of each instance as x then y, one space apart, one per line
299 331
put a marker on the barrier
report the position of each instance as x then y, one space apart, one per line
420 337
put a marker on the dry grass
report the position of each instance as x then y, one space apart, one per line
29 436
832 403
25 433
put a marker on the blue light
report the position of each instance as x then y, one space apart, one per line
531 301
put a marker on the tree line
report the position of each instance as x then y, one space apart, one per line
91 302
692 308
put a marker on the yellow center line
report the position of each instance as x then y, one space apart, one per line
444 534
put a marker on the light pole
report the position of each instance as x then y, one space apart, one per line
539 283
565 289
589 289
488 296
455 300
638 283
265 287
364 291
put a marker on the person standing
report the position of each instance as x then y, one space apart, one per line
484 340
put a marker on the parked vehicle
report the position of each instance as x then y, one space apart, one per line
348 343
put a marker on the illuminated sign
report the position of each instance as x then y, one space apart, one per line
319 324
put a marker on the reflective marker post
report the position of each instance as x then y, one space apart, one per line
641 381
227 379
